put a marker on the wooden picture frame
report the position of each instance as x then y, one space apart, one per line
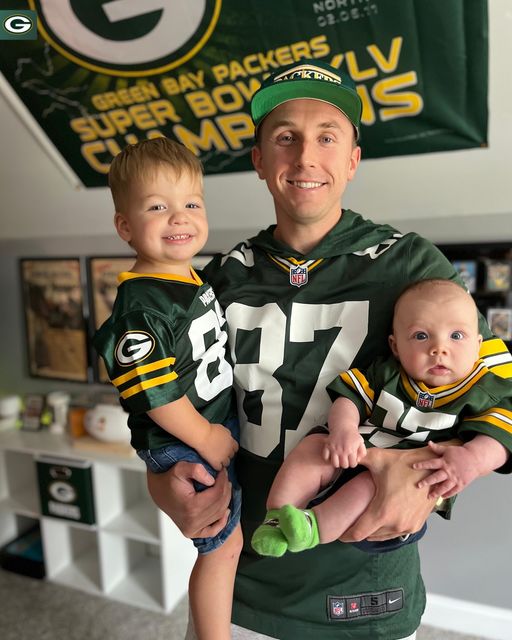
102 283
56 327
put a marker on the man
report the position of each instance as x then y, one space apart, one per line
308 297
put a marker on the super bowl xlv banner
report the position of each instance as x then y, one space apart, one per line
103 73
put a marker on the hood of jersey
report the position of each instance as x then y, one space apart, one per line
352 233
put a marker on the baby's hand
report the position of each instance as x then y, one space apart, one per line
452 470
345 450
218 446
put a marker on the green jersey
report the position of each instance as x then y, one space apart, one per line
165 339
295 321
397 411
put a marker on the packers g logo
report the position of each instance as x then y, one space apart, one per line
133 347
130 38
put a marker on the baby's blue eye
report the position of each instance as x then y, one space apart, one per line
192 205
420 335
457 335
157 207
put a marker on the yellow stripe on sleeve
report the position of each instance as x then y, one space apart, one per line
347 380
148 384
503 370
492 347
138 371
500 418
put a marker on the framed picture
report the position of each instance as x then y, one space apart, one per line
500 322
54 317
498 275
102 283
467 270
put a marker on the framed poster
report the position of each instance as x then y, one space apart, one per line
500 322
54 317
467 270
498 276
102 285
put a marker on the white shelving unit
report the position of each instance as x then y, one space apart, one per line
133 553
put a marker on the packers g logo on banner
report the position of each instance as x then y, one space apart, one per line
133 347
130 38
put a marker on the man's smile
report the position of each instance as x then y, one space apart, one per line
302 184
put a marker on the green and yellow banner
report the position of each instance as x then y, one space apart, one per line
99 74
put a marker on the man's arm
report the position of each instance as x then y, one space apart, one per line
197 515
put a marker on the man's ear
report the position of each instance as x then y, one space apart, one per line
122 227
355 159
256 161
392 345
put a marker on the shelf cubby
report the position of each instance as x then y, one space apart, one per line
71 555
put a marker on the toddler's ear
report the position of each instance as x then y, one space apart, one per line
122 226
392 345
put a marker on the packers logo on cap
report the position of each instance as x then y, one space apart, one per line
308 72
308 79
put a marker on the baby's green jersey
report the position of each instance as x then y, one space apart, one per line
166 339
294 322
397 411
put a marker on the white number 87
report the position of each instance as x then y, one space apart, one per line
305 319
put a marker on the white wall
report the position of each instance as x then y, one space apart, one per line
455 196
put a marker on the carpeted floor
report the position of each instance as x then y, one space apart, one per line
38 610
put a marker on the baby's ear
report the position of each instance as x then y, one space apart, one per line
122 226
392 345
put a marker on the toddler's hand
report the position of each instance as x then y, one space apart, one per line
346 451
218 447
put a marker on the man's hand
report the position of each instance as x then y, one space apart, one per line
197 515
217 446
398 507
344 450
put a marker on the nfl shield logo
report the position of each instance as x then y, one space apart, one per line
337 608
298 276
425 400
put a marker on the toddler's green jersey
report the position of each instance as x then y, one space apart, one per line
294 322
397 411
166 339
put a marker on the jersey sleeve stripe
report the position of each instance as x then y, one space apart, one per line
356 380
502 370
139 371
500 418
148 384
497 357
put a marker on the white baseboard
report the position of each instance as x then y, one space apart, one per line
468 617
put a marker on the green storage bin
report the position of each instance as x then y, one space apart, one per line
65 489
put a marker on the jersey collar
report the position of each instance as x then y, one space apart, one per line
130 275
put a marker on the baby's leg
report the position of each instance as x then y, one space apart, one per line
211 589
327 521
339 512
302 475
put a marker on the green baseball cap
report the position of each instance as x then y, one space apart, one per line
310 79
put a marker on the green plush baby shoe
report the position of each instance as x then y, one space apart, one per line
300 527
268 539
